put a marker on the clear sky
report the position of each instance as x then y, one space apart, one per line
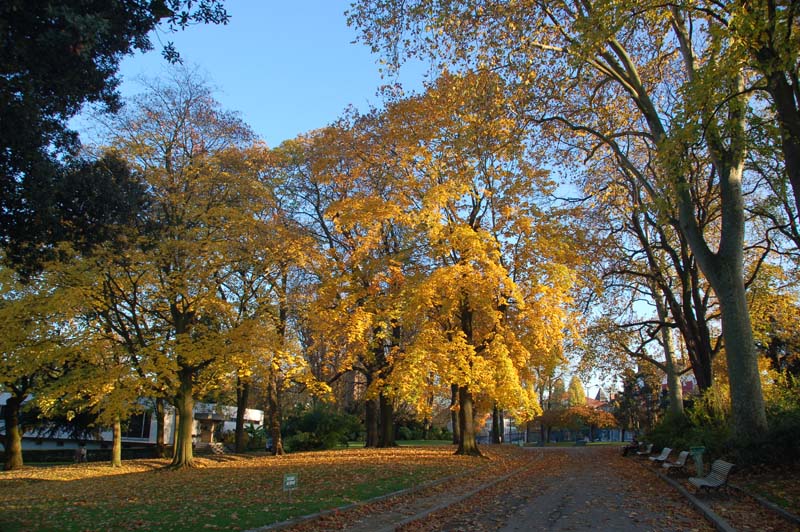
286 66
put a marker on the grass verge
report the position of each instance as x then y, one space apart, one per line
229 492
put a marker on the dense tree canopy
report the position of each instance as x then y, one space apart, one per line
659 90
55 57
603 179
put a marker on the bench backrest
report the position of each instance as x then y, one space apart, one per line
719 471
682 456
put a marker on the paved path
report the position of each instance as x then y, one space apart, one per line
581 488
558 489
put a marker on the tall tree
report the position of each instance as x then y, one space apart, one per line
347 202
33 348
766 32
575 392
605 74
57 56
200 168
478 327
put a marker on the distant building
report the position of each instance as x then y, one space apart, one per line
211 421
688 384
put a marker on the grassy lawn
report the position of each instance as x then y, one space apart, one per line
229 492
591 444
425 443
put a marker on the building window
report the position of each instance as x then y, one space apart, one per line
138 426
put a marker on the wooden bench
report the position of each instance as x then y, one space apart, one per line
680 463
646 451
661 457
716 479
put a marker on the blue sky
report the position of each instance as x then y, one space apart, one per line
287 67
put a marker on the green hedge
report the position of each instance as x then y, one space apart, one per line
92 455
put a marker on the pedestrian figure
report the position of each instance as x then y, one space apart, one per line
632 447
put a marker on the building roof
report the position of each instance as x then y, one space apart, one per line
594 403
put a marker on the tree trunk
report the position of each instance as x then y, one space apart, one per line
785 102
698 346
673 379
371 422
116 443
496 434
184 403
242 395
467 444
13 440
175 424
725 273
273 388
160 422
274 412
427 423
724 269
747 400
674 386
454 414
386 435
693 324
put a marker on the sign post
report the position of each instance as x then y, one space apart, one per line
290 483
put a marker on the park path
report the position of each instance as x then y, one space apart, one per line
558 489
576 488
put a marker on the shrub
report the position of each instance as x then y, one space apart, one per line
405 433
318 428
782 440
707 423
437 433
255 437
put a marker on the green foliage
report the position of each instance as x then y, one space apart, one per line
782 441
711 410
318 428
576 394
707 423
55 57
405 433
85 201
680 433
256 437
437 433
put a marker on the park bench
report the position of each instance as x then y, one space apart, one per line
661 457
648 448
677 464
716 479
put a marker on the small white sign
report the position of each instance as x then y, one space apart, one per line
289 481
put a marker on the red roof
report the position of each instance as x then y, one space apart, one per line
594 403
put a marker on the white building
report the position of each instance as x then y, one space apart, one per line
211 421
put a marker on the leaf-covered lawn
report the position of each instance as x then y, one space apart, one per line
232 492
779 485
